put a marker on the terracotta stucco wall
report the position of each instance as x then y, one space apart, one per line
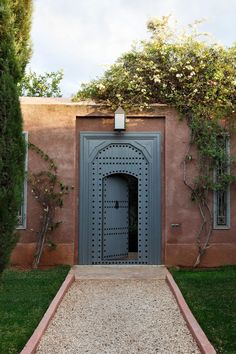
180 247
55 126
52 128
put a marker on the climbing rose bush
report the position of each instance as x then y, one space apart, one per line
185 70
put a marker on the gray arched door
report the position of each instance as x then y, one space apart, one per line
106 159
115 217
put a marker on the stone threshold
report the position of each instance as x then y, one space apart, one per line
119 272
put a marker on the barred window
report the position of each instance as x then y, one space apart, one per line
22 210
222 197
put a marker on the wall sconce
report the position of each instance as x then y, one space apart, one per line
120 119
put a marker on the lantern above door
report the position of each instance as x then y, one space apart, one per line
120 119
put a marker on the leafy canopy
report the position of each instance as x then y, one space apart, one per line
182 69
41 85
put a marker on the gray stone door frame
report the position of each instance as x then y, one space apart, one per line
144 151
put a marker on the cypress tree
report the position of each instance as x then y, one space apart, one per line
12 145
20 17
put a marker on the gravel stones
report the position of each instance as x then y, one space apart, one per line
118 317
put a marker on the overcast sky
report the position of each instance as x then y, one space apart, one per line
82 37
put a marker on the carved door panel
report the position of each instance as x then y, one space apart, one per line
115 217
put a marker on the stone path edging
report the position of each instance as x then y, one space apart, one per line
195 329
33 342
204 344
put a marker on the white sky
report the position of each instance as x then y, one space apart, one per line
83 36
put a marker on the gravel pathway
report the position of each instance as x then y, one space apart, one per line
118 317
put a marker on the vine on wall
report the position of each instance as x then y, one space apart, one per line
188 71
49 191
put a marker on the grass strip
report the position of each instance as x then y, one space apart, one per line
211 296
24 298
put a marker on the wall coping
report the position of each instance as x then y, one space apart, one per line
88 109
68 101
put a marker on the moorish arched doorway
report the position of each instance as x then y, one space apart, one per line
120 180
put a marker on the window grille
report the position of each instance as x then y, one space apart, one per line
222 197
22 209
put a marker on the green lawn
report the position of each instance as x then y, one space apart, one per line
24 298
211 295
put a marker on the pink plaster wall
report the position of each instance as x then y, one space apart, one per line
54 126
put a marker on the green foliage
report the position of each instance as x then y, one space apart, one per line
211 296
15 48
44 85
24 298
184 70
21 16
7 51
195 76
12 145
49 191
12 150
